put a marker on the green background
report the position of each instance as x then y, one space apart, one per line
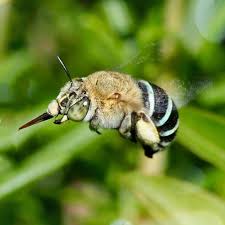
51 175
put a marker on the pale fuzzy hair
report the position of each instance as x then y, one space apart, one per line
103 84
103 89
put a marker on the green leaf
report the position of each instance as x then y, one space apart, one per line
11 121
173 202
14 66
48 159
118 15
214 95
203 134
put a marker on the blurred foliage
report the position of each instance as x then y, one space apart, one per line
68 175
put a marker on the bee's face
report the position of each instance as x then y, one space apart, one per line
72 101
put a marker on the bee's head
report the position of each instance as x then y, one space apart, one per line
72 102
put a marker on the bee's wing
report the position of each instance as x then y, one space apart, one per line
183 92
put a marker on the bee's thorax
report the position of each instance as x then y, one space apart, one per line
113 95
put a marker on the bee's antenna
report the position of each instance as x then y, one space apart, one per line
65 69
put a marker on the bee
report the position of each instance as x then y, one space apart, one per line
141 111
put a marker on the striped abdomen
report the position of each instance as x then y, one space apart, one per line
162 112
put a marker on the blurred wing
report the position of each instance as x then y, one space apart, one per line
183 92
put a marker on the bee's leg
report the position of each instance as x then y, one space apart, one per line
61 120
127 127
94 128
94 123
147 134
149 152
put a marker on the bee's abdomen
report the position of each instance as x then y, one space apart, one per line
162 111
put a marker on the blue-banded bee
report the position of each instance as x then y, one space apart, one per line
141 111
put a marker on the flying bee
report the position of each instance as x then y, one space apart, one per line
141 111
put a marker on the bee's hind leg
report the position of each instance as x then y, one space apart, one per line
149 152
127 127
147 134
138 126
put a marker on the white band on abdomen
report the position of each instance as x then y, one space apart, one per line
169 132
167 114
150 97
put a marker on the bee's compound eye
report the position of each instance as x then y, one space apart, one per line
78 111
85 103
